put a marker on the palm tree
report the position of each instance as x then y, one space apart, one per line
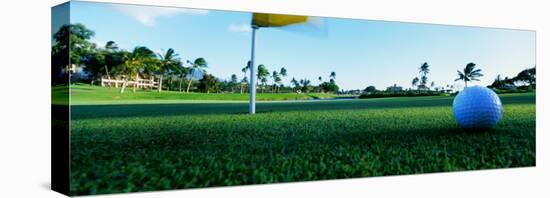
168 61
244 70
276 79
110 47
469 74
197 66
234 80
305 85
181 72
424 70
332 77
295 83
528 76
283 72
415 81
244 81
264 82
134 62
423 82
262 75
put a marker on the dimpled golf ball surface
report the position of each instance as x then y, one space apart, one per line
477 107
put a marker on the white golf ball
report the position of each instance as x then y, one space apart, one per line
477 107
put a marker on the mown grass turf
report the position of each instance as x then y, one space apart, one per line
86 94
141 147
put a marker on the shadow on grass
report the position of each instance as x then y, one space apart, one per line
140 110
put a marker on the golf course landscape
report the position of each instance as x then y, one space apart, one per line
130 146
166 98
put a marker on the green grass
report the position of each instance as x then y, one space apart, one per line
86 94
142 147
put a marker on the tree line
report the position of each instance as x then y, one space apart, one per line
73 47
525 79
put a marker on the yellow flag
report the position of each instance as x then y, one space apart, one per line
276 20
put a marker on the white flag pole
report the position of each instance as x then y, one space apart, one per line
252 103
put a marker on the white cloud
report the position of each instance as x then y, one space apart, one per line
239 28
147 15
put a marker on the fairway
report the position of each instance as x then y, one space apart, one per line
85 94
142 147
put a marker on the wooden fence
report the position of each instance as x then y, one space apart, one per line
141 83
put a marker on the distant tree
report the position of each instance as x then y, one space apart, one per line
470 73
415 82
527 76
72 46
295 83
197 66
169 61
423 82
209 83
99 62
74 39
233 82
113 58
244 81
264 83
424 70
499 83
140 58
283 73
111 45
276 80
181 72
370 89
305 85
94 64
273 76
262 75
329 87
432 85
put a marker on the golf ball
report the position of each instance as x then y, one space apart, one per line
477 107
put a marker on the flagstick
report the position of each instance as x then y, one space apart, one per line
252 103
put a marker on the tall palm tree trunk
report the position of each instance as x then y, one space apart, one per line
123 85
169 83
108 76
160 83
189 85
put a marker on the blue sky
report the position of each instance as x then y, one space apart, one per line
361 52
